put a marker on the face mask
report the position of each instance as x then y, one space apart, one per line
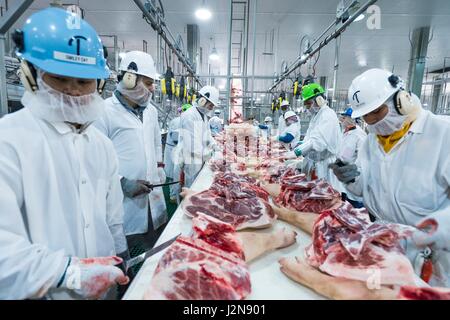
54 106
391 123
140 95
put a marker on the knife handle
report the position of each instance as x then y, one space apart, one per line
122 266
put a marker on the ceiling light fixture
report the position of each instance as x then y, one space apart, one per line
203 13
360 17
214 56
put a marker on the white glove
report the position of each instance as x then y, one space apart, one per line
91 278
207 154
289 155
438 234
162 175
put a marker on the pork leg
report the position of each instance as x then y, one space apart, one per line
303 220
257 244
334 288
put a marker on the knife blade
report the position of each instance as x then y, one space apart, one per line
126 265
164 184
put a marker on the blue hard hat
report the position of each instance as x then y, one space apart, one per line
347 112
60 42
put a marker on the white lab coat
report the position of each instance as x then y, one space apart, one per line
171 143
281 124
138 147
216 126
351 145
295 130
60 196
325 136
196 142
413 180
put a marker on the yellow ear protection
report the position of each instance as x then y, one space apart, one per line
403 101
28 73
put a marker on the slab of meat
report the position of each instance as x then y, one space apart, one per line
201 267
242 213
347 245
307 196
234 199
414 293
218 234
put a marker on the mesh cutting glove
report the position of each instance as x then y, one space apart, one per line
346 173
134 188
91 278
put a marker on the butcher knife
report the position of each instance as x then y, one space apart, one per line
151 186
126 265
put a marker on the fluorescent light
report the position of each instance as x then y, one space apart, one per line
360 17
262 95
203 13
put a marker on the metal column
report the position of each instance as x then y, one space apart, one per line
230 39
336 69
419 48
6 22
4 86
254 56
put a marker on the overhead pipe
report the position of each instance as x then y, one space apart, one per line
158 27
308 55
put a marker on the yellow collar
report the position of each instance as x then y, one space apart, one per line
389 142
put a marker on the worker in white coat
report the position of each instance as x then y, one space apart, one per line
403 169
265 128
290 137
352 142
171 144
284 107
195 136
60 202
323 138
131 122
215 123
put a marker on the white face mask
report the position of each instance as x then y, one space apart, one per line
54 106
140 95
390 124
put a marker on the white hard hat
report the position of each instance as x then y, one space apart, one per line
217 111
268 119
371 89
285 103
211 94
140 63
289 114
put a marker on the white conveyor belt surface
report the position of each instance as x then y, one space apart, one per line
268 282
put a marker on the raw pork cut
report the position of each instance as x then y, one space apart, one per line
414 293
347 245
234 199
307 196
201 267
